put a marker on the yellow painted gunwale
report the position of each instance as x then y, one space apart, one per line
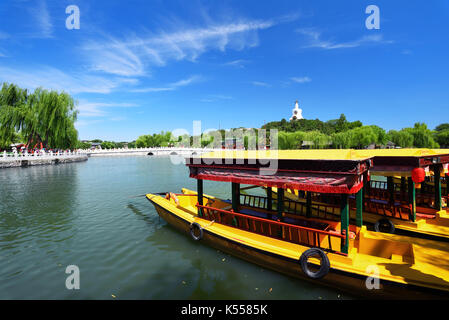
438 227
430 268
323 154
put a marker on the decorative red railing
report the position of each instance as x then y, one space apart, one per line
275 229
425 196
321 210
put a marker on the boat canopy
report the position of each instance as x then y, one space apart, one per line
325 171
401 162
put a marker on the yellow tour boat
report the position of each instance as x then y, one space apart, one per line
391 207
333 253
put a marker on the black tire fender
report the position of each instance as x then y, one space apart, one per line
384 222
194 226
325 264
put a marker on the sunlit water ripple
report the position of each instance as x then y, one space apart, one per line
90 215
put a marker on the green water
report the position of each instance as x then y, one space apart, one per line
84 214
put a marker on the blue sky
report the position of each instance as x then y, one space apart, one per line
138 66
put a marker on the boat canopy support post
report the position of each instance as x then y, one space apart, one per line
280 203
403 187
390 188
199 190
269 198
359 208
412 198
235 196
437 183
447 188
366 185
344 223
309 204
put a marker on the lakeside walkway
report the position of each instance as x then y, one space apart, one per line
12 160
161 151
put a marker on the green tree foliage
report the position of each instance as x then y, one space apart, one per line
11 98
108 145
163 139
290 140
423 137
328 127
442 127
83 145
46 117
442 138
441 135
402 138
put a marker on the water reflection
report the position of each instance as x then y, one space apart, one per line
196 271
37 202
85 214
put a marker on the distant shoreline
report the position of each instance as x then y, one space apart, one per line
15 162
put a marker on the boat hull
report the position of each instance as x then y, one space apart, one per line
350 283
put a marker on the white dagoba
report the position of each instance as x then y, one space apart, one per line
297 112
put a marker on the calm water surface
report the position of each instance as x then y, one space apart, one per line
89 214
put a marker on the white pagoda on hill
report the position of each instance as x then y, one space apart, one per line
297 112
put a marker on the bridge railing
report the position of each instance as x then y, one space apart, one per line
123 150
8 156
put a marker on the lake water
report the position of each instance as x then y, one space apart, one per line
90 214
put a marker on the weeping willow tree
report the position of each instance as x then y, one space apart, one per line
43 117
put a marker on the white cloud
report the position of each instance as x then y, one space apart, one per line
96 109
41 16
117 59
215 98
85 123
315 40
300 79
52 78
134 54
4 35
260 84
240 63
171 86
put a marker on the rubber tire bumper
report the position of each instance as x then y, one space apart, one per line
388 222
325 264
194 226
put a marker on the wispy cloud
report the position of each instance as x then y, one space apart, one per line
300 79
240 63
172 86
114 58
260 84
133 55
85 123
97 109
316 41
4 35
215 98
41 16
52 78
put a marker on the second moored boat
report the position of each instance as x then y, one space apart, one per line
331 252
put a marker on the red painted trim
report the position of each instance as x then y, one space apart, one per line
280 184
327 233
270 169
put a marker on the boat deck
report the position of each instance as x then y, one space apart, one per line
400 259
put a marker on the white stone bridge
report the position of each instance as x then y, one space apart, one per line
161 151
